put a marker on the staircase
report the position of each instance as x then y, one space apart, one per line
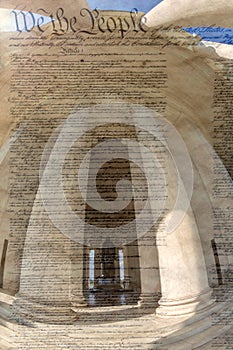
6 324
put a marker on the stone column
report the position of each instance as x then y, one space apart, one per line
48 275
147 262
184 281
149 272
77 275
126 269
133 268
98 267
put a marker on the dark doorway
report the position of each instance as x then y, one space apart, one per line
112 276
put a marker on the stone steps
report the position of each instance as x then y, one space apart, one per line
119 327
6 325
199 333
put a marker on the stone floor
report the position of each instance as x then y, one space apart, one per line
124 327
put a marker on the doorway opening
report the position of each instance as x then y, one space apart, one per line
112 276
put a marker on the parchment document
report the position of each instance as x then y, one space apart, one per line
116 193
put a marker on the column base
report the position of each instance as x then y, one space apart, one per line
27 310
148 301
182 307
78 301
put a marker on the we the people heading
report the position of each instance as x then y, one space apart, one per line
95 21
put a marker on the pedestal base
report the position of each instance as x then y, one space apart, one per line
78 301
148 301
181 307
